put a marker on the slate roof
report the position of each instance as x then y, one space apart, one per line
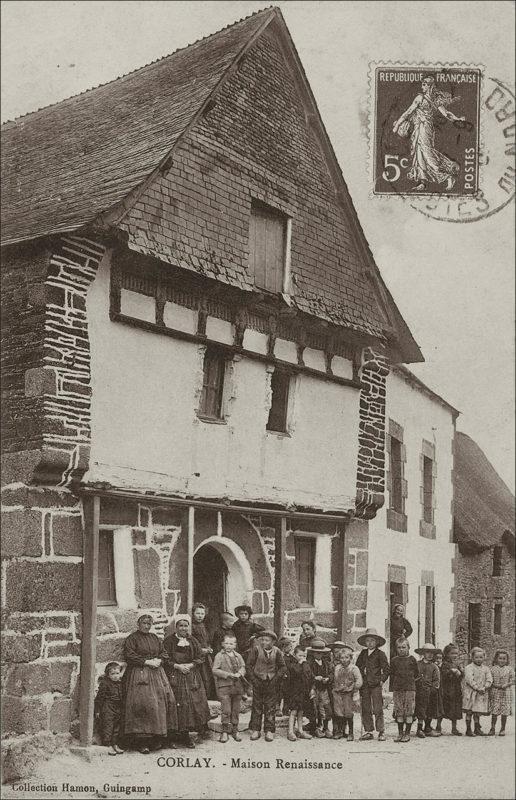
79 160
64 164
484 504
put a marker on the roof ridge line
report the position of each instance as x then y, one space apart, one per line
137 69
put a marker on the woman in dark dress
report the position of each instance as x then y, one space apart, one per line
183 671
451 677
149 713
200 633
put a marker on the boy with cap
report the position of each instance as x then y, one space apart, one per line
319 659
374 668
347 681
426 691
265 668
245 630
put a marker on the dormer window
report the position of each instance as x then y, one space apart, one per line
268 242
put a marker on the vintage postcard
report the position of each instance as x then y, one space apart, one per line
257 400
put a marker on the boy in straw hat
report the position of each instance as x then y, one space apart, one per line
426 690
319 659
346 683
374 668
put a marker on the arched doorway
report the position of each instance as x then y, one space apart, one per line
222 577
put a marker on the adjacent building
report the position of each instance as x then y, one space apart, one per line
484 565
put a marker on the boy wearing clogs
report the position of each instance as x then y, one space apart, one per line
374 668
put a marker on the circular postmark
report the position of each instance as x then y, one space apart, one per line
497 164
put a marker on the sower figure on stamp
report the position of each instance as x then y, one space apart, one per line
374 668
428 164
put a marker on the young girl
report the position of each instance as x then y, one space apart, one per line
475 698
108 707
229 673
438 661
451 676
500 692
347 681
200 632
297 687
404 678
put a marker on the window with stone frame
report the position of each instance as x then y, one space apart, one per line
497 619
497 561
106 579
428 469
212 394
395 477
305 547
267 246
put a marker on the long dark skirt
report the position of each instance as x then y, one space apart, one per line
150 706
193 712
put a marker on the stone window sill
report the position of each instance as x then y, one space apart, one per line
211 420
280 434
426 529
396 521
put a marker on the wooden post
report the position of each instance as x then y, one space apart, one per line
190 570
89 618
343 584
279 582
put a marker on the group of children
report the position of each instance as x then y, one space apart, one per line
320 684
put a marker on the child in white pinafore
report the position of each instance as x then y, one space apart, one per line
500 693
475 695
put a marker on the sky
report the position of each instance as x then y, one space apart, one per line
453 283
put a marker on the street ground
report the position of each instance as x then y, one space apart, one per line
445 767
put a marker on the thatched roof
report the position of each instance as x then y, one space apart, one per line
484 504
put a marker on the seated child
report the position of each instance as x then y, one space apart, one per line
318 658
108 707
404 678
229 671
426 691
297 685
265 669
374 668
347 681
475 697
500 693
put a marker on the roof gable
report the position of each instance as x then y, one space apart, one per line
483 503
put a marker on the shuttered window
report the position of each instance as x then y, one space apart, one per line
267 236
213 384
106 585
305 569
396 469
280 387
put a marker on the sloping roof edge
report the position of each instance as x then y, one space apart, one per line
409 377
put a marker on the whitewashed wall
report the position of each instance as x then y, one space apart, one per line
422 418
145 432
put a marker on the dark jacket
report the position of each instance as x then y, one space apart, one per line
243 632
323 670
272 668
404 674
109 696
374 668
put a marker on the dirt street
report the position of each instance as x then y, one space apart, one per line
439 768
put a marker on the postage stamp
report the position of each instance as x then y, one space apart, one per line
425 129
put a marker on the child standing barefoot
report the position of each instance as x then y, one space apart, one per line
404 676
475 699
297 686
347 681
500 691
451 676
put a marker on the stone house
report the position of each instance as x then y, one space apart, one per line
411 547
484 566
196 343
